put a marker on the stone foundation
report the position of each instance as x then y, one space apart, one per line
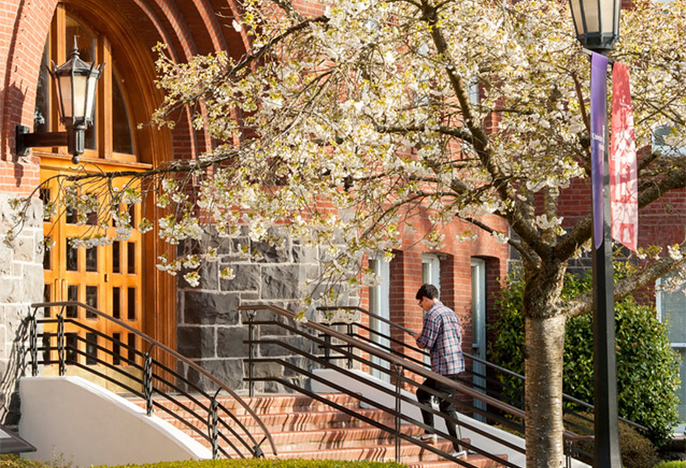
21 283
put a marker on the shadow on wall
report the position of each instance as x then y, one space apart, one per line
11 96
13 368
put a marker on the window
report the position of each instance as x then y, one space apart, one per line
665 142
110 136
379 304
431 270
431 274
671 308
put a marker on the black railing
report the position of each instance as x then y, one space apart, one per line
405 374
487 382
148 369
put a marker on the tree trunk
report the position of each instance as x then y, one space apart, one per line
543 392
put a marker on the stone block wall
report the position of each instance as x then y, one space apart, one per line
21 283
211 330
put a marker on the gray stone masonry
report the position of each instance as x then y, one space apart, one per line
210 329
21 283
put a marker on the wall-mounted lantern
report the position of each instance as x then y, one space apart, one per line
76 82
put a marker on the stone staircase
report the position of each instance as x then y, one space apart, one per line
306 428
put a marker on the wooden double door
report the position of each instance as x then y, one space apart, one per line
107 277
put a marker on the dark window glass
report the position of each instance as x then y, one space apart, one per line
45 198
47 297
116 349
48 343
47 261
116 257
132 347
121 131
91 349
132 215
72 257
131 257
71 216
92 300
131 306
72 295
92 218
116 303
92 259
72 347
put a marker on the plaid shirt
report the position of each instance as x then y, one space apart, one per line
442 335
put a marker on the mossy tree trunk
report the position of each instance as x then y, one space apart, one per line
544 325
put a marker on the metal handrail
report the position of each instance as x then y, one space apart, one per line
347 350
254 447
489 364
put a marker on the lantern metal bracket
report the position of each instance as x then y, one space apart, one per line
26 140
73 139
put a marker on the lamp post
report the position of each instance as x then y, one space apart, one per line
76 82
597 29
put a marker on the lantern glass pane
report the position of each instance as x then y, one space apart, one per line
592 16
80 96
607 15
65 94
575 8
90 97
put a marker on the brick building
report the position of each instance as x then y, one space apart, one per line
121 279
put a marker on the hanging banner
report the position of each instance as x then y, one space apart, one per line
598 125
623 172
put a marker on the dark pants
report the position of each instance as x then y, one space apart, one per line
447 407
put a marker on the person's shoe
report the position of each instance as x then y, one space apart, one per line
427 438
460 454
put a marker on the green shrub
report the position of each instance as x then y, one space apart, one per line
15 462
12 460
637 451
647 367
672 464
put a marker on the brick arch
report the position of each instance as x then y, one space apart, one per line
186 28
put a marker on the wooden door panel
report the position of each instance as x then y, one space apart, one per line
108 278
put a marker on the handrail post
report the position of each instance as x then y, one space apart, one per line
251 352
33 343
398 384
214 433
350 346
61 345
147 381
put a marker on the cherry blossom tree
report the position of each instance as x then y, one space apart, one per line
339 130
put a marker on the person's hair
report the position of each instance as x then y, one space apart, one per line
427 290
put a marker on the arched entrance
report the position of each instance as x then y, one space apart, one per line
118 278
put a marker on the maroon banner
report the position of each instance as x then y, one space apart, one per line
623 176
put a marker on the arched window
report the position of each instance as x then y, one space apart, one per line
111 136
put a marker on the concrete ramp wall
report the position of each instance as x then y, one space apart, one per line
88 425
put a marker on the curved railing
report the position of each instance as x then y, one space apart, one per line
142 374
405 374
